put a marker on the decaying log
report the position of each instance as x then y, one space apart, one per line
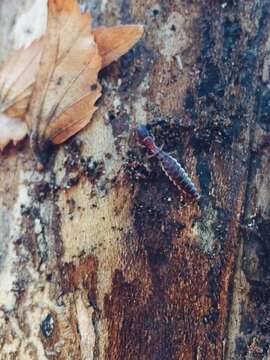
101 256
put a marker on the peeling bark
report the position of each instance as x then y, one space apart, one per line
101 257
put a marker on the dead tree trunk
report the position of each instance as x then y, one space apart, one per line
101 257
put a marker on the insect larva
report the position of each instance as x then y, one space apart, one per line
170 166
177 174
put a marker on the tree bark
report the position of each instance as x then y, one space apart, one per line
101 256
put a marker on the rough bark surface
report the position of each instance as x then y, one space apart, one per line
101 257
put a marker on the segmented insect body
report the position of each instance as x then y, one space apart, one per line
177 174
170 166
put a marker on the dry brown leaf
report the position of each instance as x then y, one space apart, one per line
59 73
11 129
115 41
65 64
17 77
66 87
19 73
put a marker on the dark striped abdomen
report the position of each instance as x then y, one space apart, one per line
177 174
